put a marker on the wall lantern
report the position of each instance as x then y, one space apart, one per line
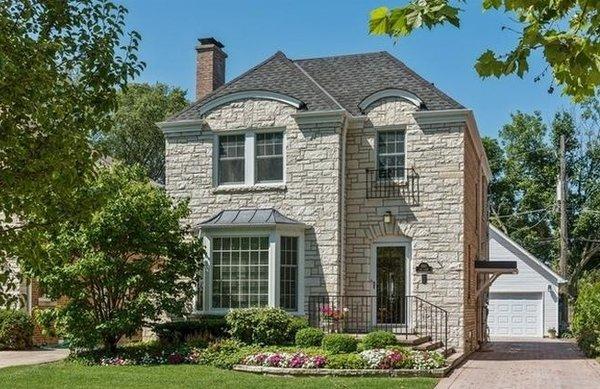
387 217
423 269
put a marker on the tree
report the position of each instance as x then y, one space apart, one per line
61 65
566 31
135 138
522 197
126 265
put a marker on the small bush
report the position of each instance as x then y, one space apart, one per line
346 361
297 323
586 316
379 339
208 328
226 353
264 326
16 330
339 343
309 337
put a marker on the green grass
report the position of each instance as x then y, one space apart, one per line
69 375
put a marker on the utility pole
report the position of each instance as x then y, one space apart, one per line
562 193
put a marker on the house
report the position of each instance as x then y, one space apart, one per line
348 189
525 305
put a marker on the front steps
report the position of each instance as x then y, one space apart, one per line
421 343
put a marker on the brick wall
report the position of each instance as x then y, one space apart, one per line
476 235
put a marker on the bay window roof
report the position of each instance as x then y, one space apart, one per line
249 217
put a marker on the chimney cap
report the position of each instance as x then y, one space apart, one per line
210 41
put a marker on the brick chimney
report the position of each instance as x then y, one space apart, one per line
210 66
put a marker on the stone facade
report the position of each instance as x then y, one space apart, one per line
310 194
325 188
433 226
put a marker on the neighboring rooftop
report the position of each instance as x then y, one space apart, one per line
330 82
248 217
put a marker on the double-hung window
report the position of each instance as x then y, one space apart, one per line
231 159
390 154
250 158
269 157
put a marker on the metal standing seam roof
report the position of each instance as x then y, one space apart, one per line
329 82
254 217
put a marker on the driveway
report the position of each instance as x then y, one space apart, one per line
32 357
530 364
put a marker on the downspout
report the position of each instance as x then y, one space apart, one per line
342 281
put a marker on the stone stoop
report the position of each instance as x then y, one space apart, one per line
419 343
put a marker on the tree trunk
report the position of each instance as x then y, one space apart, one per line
110 344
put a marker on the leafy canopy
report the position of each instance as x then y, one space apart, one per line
61 66
127 264
566 31
134 138
525 165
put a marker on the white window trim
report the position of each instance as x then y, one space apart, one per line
389 129
274 235
249 158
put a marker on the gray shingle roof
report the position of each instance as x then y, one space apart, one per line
248 217
351 78
348 79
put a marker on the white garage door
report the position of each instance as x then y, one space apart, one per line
515 314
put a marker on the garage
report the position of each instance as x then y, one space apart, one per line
515 314
523 304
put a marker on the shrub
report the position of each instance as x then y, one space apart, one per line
339 343
297 323
208 328
226 353
16 330
346 361
309 337
586 316
379 339
265 326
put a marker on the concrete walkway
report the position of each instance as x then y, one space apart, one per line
530 364
31 357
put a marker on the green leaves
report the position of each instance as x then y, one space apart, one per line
567 32
402 21
128 263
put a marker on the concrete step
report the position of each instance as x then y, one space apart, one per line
446 352
428 346
412 340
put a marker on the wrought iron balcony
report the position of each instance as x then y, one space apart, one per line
393 183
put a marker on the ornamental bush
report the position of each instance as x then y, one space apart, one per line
264 326
346 361
339 343
309 337
586 316
379 339
177 332
16 330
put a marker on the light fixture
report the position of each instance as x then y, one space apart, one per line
387 217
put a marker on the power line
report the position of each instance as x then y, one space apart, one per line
522 213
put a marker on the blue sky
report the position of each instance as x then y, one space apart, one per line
252 30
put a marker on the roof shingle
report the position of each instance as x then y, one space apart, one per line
330 82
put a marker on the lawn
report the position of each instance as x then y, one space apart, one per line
69 375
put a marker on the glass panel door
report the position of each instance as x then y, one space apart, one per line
391 285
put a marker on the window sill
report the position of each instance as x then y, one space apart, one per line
279 187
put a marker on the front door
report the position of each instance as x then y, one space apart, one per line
391 285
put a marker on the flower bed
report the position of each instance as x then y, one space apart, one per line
297 360
382 359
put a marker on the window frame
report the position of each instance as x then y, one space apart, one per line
393 128
274 278
249 157
218 159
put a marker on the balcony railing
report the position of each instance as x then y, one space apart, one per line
393 183
404 316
